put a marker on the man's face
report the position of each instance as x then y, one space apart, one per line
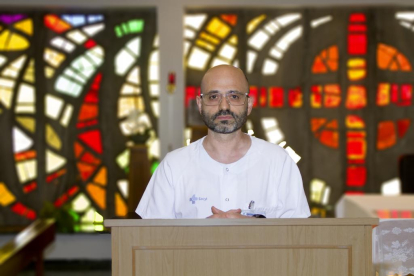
224 118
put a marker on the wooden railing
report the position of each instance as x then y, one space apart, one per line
26 247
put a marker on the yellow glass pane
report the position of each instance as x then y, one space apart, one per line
53 57
6 96
12 42
49 72
98 195
353 121
356 74
383 94
356 62
25 26
252 25
120 206
29 74
218 27
52 138
209 38
100 178
6 197
205 45
27 122
233 39
127 104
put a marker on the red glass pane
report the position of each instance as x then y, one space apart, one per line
86 170
383 214
401 95
356 97
73 190
190 94
357 28
356 176
317 123
386 135
78 149
406 214
357 17
56 24
329 138
263 96
230 18
89 158
27 155
383 94
276 97
403 125
29 187
86 124
88 111
354 193
295 97
22 210
90 43
316 96
55 175
318 66
356 145
253 94
92 139
61 200
357 44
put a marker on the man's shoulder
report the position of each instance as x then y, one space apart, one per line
268 149
184 153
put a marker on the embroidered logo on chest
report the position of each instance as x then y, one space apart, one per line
195 198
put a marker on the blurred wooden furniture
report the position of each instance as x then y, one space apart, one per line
26 247
139 175
311 247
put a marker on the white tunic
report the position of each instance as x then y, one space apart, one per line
188 182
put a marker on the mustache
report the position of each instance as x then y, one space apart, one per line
223 113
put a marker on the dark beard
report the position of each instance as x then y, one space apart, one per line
224 126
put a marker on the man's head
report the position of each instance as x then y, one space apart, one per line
224 117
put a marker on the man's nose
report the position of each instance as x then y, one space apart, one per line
224 104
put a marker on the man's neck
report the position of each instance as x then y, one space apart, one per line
226 148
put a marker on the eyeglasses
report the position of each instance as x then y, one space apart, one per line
232 98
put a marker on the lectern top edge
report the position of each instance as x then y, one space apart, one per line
236 222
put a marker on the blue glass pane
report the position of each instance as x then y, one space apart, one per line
75 20
95 18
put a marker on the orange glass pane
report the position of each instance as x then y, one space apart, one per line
356 146
383 94
120 206
393 66
88 111
329 138
89 158
230 18
318 66
85 170
333 52
295 98
331 101
332 124
403 125
98 194
21 156
317 123
404 63
356 97
100 177
6 197
54 23
332 89
386 135
385 54
78 149
353 121
316 96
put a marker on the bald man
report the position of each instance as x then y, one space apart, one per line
226 174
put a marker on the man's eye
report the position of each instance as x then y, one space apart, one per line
234 97
213 97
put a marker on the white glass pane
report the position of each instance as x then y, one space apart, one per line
198 59
74 76
96 55
53 58
186 47
269 67
258 40
155 105
285 20
126 128
405 24
154 90
80 203
272 27
123 187
26 94
63 44
190 34
128 89
21 141
405 16
269 123
293 154
391 187
236 63
276 53
289 38
14 68
53 106
134 76
77 36
154 149
54 161
67 115
123 61
251 59
320 21
228 51
274 136
156 41
135 46
195 21
25 109
326 195
84 66
219 61
26 170
123 159
3 60
93 29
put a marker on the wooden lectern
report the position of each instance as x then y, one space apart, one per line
317 247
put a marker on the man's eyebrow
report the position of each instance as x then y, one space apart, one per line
229 91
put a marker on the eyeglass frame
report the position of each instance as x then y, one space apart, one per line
225 96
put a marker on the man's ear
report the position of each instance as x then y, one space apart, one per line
249 105
198 98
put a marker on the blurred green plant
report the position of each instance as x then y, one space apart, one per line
67 220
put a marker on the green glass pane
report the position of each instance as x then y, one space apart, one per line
118 31
136 26
154 166
125 28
